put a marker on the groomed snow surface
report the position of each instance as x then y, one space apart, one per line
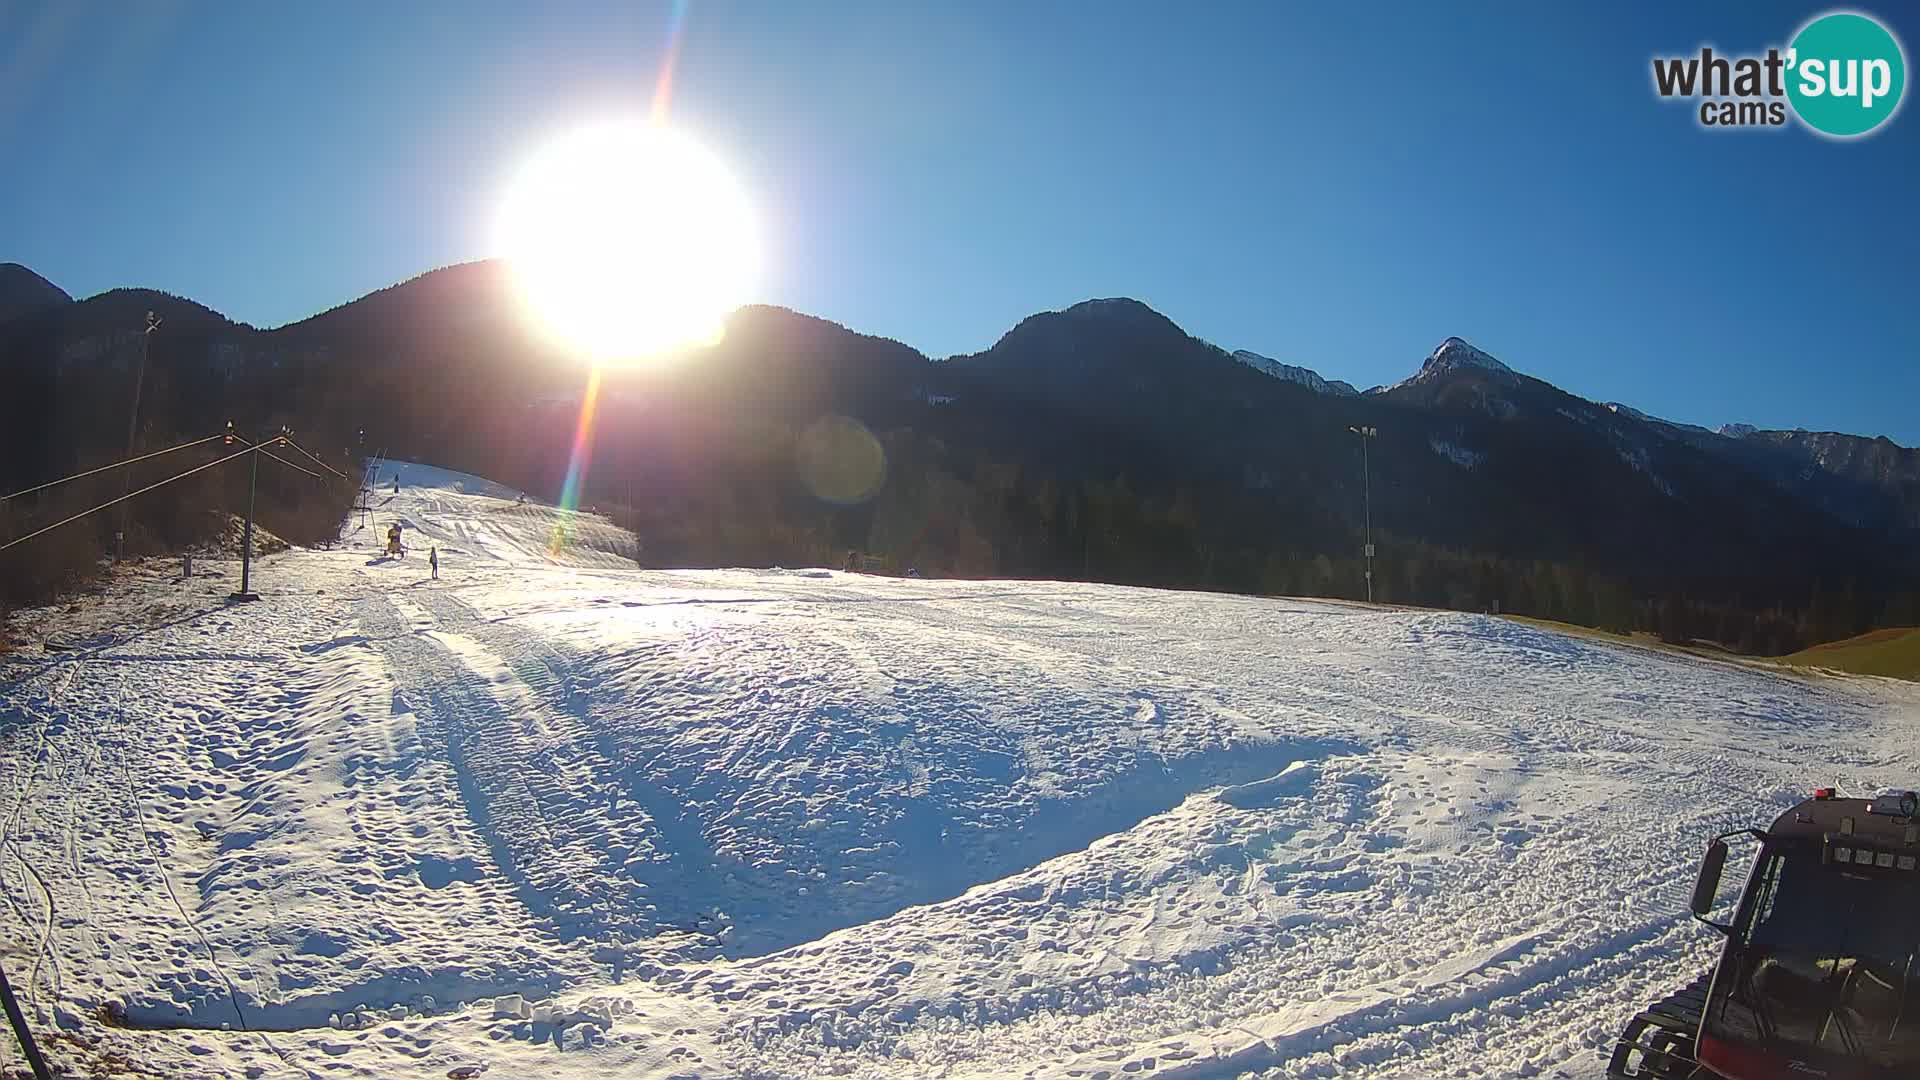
557 816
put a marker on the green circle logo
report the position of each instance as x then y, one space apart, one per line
1845 74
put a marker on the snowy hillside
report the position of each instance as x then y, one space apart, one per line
788 823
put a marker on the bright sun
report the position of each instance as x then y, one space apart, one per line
628 240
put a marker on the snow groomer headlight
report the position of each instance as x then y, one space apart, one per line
1895 804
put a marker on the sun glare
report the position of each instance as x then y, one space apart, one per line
628 240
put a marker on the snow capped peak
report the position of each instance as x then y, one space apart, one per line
1304 376
1737 431
1629 411
1455 353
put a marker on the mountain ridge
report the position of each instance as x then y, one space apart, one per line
22 291
1306 377
1453 352
1222 472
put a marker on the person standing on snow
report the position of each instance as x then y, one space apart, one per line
433 560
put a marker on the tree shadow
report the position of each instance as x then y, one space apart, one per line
100 643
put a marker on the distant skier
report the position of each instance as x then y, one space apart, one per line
393 541
433 560
396 483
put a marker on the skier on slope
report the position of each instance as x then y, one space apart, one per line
433 560
393 541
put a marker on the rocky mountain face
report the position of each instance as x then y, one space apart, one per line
1872 482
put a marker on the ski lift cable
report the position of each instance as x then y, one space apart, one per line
288 440
289 464
124 498
108 468
262 447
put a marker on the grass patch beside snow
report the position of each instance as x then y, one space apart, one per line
1894 652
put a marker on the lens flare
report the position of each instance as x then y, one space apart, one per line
577 463
663 86
840 461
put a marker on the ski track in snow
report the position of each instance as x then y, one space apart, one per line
795 823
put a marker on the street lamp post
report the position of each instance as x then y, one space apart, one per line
1366 486
133 427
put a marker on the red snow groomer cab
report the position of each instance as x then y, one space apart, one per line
1818 977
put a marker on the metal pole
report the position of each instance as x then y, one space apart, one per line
19 1022
246 542
133 427
1366 486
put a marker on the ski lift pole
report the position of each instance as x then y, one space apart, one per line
1367 435
246 535
246 540
19 1022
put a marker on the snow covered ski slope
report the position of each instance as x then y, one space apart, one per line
557 816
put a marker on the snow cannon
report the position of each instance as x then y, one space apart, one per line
1818 974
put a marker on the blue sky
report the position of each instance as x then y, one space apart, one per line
1339 186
